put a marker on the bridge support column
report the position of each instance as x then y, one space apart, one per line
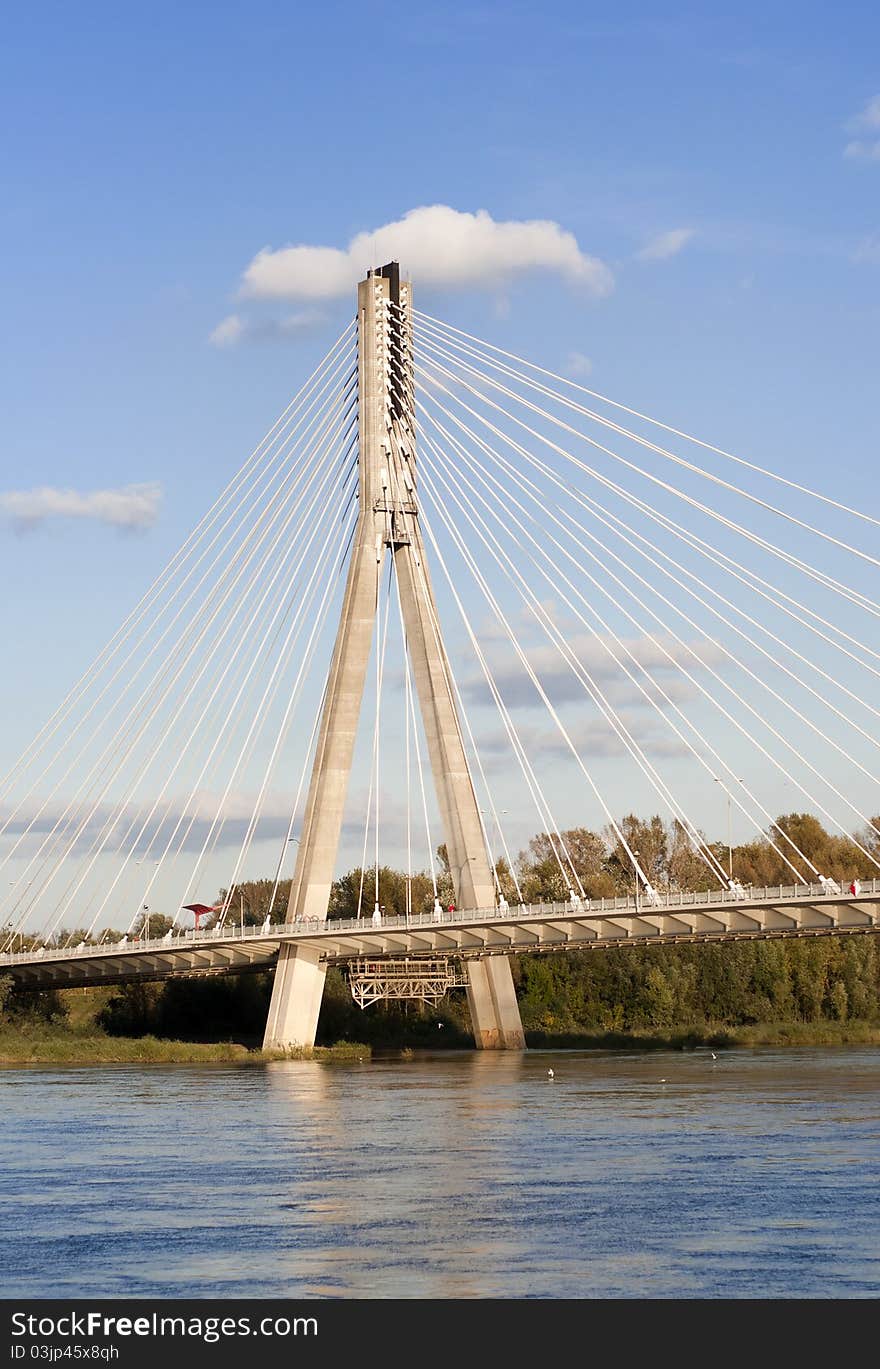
493 1007
296 998
388 518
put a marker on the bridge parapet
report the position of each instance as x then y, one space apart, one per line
796 910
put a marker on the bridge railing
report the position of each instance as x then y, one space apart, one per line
670 900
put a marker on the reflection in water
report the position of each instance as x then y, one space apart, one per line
460 1174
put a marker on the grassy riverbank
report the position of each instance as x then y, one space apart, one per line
50 1045
627 1000
719 1037
36 1043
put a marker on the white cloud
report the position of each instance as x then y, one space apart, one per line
867 121
235 329
869 117
227 333
437 245
859 150
578 365
868 250
563 685
665 245
593 738
132 506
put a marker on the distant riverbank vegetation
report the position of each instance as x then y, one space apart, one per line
822 990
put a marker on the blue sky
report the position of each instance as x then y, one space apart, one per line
721 163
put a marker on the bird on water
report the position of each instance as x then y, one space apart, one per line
550 1074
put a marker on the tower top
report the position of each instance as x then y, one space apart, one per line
390 272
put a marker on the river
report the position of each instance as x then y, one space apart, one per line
448 1175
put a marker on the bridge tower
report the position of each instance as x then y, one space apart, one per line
388 523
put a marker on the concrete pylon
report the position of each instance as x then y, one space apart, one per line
388 519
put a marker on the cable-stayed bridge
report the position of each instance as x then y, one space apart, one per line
614 621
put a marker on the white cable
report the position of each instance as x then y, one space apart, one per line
320 620
304 551
228 623
373 794
707 446
408 711
455 692
655 684
659 644
847 754
527 665
108 752
718 557
754 741
543 811
628 533
829 582
250 630
243 710
642 441
103 722
97 848
319 713
218 720
452 685
164 669
780 698
696 626
531 779
106 654
580 671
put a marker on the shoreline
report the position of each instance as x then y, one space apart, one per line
42 1047
99 1049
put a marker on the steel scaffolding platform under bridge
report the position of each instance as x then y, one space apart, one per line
371 981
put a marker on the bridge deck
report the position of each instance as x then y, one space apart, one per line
794 910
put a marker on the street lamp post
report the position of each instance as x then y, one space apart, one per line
288 841
636 854
729 826
495 823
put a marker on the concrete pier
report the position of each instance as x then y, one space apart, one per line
493 1007
296 998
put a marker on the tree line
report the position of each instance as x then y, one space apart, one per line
563 995
604 870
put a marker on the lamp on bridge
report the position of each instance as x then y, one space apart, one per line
495 856
738 780
287 842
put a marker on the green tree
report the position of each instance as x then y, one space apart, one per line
349 893
150 926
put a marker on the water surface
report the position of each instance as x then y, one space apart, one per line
454 1174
